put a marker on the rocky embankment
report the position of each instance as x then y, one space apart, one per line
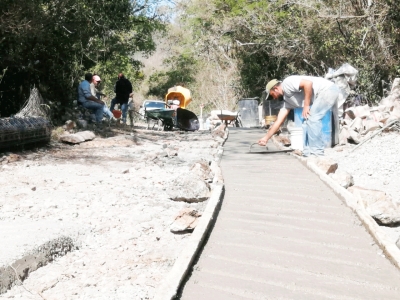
369 161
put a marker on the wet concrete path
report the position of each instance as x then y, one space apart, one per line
283 234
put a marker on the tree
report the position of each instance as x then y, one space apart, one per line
274 39
51 44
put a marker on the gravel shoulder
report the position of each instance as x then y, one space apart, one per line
374 165
110 198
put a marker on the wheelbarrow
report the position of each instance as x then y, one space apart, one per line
169 118
163 116
229 118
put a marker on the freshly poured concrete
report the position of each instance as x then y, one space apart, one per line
283 234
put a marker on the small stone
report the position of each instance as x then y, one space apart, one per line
327 165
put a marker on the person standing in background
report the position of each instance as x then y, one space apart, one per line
123 90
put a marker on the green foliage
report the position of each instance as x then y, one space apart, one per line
50 44
274 39
181 71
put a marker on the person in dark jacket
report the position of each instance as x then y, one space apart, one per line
123 90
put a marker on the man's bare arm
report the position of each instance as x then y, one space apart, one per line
307 87
275 127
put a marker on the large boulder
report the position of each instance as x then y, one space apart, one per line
354 136
358 111
343 178
87 135
72 138
78 137
378 205
371 125
357 124
203 170
189 187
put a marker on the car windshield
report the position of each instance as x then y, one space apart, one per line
154 105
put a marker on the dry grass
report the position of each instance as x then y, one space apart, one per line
56 133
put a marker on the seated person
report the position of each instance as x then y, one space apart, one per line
87 100
95 92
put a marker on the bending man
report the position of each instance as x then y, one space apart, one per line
302 91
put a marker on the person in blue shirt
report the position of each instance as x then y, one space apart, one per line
89 101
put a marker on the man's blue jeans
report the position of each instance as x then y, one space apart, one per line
313 142
124 108
107 112
96 107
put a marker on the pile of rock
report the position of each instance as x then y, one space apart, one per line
361 121
376 203
371 173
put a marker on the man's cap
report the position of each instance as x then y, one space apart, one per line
96 78
271 84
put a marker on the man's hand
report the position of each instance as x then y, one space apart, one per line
94 99
263 141
306 112
99 101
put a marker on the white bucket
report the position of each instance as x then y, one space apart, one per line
296 138
201 121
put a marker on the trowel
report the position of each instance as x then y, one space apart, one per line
264 149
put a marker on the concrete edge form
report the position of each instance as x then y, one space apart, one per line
169 287
19 270
171 284
391 250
